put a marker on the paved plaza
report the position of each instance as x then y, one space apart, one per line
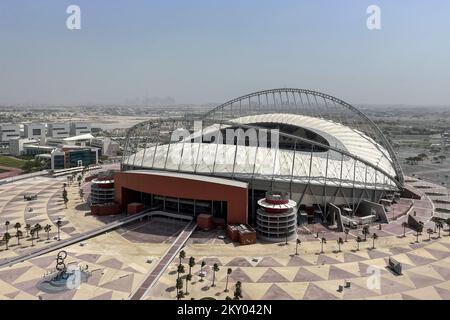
119 261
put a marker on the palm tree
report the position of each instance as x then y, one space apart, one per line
417 236
6 238
286 234
430 232
340 242
201 271
17 226
27 228
215 269
180 270
179 286
7 225
322 241
238 291
188 278
365 232
346 231
296 246
228 274
439 226
18 235
374 237
81 193
191 264
404 225
47 229
32 231
65 198
182 255
59 224
358 241
37 228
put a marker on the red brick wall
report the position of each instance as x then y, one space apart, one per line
236 197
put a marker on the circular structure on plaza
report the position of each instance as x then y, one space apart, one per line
276 219
316 148
102 190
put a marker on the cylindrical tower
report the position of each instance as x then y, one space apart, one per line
276 218
102 190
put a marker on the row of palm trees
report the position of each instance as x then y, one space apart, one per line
191 263
340 241
30 231
438 226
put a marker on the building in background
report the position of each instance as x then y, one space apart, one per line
80 128
8 131
107 146
17 145
34 131
80 140
36 149
73 156
58 130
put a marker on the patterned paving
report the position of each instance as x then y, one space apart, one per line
426 274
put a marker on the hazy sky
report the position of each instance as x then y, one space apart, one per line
201 51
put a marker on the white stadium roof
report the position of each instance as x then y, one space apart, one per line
320 168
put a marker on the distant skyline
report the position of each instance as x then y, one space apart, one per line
206 51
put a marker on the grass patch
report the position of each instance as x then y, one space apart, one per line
11 162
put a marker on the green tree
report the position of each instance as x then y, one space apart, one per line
32 232
365 232
27 228
215 269
19 234
47 229
374 238
202 265
358 241
439 226
238 291
65 197
182 255
37 228
6 238
430 232
180 270
17 226
340 242
191 264
179 286
188 278
229 270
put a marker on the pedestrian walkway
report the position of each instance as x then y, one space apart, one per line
164 262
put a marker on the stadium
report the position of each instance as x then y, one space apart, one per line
324 154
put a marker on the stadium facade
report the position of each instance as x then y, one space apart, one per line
318 149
